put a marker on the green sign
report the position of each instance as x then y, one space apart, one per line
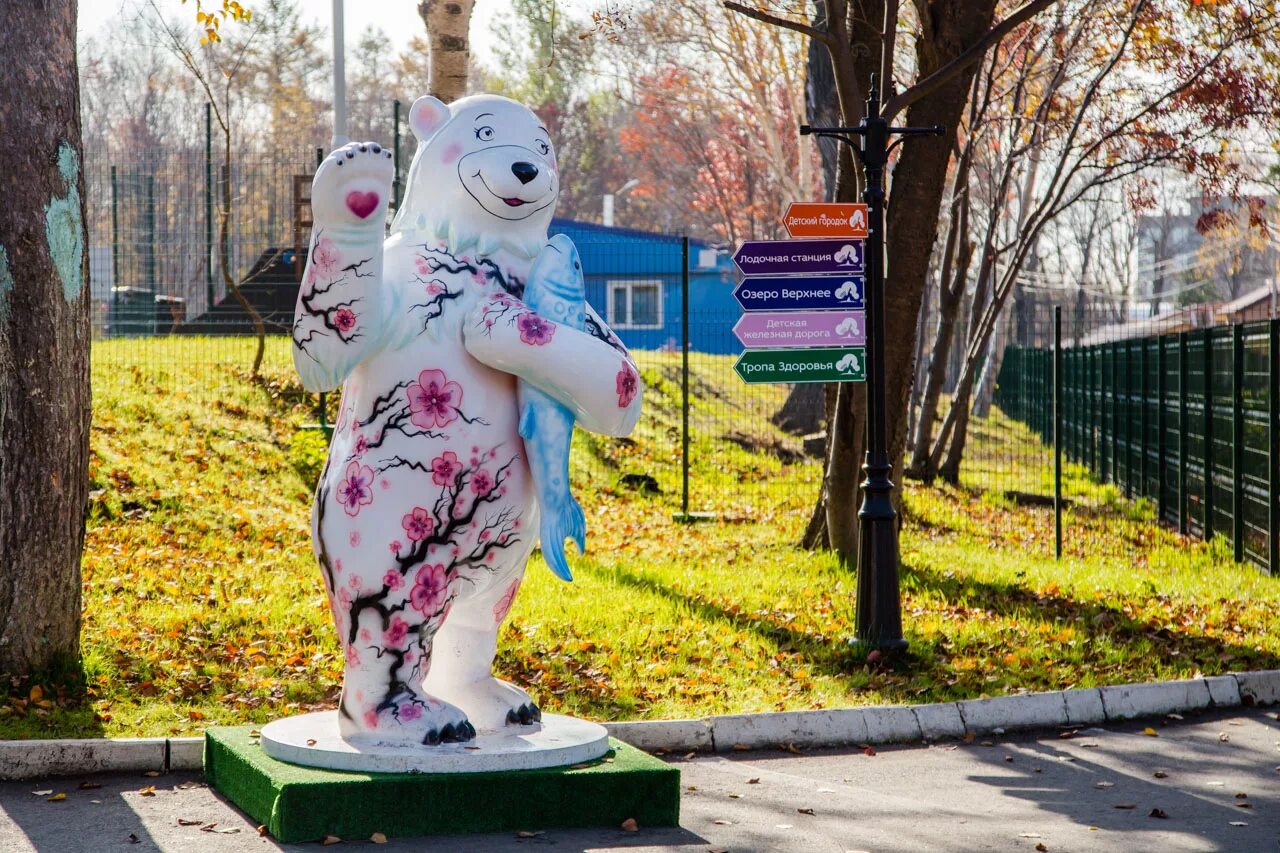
829 364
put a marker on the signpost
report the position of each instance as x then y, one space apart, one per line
799 257
801 329
827 364
826 219
808 293
878 620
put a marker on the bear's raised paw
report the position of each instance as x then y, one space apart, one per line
353 186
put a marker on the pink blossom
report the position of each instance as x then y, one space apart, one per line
434 400
422 265
628 385
534 330
338 563
371 718
479 276
344 596
354 538
344 319
354 581
362 445
395 546
434 288
418 525
325 256
353 656
429 589
503 605
395 635
354 491
482 482
445 468
365 635
410 712
392 580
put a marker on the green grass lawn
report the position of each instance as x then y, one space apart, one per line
202 604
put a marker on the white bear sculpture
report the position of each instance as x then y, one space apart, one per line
426 511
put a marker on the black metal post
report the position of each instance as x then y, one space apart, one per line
210 296
115 246
1237 441
1273 445
1183 425
684 377
1207 527
1162 504
878 619
1057 432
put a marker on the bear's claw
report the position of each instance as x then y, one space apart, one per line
525 715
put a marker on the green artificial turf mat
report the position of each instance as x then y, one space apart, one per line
305 804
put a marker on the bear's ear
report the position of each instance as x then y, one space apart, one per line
427 115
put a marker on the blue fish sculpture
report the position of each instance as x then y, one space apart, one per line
555 291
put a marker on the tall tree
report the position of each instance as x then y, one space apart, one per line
44 339
861 36
448 36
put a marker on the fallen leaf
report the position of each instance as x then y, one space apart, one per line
1126 805
1041 847
1067 734
630 825
182 821
152 773
868 751
735 796
378 838
1150 732
311 741
524 833
1160 774
1223 737
57 798
740 747
1215 784
1239 823
1157 813
133 838
262 830
1242 796
1244 805
722 822
756 781
330 839
1105 785
1174 716
89 786
1009 758
149 791
805 811
968 737
690 755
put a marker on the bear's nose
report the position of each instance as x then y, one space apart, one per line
526 172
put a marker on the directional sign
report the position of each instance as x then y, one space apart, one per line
802 329
787 293
819 219
799 257
829 364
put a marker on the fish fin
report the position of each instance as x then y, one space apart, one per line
526 423
554 529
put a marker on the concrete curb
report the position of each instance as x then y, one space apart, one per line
31 759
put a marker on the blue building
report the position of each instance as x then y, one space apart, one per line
634 280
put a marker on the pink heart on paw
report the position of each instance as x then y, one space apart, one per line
361 204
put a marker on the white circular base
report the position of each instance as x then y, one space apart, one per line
557 742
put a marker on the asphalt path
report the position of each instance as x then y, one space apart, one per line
1208 782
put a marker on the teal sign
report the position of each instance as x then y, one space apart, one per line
828 364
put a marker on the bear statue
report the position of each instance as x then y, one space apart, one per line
426 511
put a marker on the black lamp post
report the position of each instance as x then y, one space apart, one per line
879 610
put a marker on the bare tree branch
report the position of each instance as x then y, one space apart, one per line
777 21
899 102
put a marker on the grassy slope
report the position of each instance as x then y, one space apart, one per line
202 603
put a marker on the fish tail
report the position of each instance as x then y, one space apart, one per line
569 523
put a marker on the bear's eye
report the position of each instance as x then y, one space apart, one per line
542 147
485 133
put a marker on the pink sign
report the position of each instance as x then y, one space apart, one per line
802 329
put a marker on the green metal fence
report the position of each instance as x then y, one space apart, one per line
1190 420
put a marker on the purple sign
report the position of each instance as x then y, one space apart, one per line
799 257
802 329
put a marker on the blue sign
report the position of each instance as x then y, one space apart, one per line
808 293
799 257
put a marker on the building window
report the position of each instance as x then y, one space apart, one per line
635 304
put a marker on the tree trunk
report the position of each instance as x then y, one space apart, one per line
801 412
919 180
44 341
449 47
991 370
